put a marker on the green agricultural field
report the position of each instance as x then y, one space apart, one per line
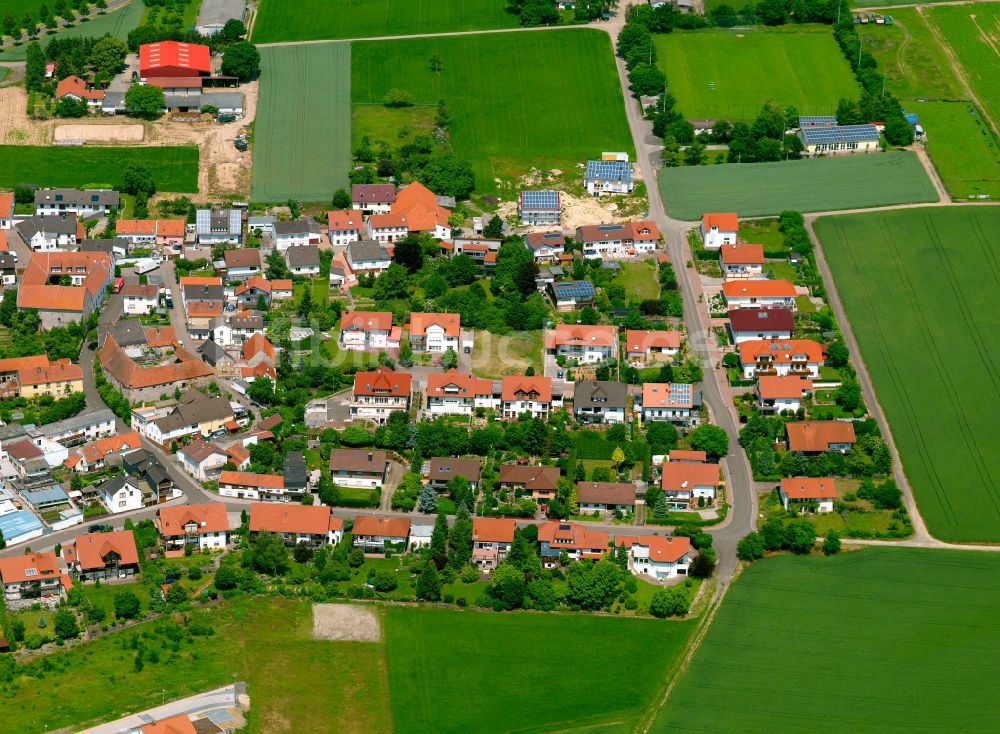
728 75
909 54
973 32
963 147
265 642
303 149
175 168
819 184
452 671
304 20
517 100
118 23
880 640
935 371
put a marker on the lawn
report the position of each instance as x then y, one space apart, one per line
516 100
465 671
495 356
935 371
963 147
118 23
347 360
909 54
764 232
639 279
726 75
302 20
814 185
882 630
266 642
392 124
175 168
303 150
972 34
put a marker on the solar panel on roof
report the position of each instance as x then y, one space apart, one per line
609 227
609 170
574 289
842 134
805 120
540 199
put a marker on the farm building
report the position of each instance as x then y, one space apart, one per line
538 207
174 59
608 177
839 139
214 13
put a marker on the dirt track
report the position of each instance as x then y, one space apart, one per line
223 171
345 622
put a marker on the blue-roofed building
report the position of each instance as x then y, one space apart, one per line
817 121
839 139
40 499
20 526
572 294
538 208
608 177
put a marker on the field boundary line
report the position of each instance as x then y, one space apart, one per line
404 37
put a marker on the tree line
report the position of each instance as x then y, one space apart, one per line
30 23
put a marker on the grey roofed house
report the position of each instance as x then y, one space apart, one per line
89 198
125 332
600 394
297 226
212 353
213 14
252 322
448 202
104 245
198 292
113 101
605 493
12 431
60 224
264 224
222 101
199 408
47 497
77 422
296 473
7 261
444 468
367 251
218 221
302 256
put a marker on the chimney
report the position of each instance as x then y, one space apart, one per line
370 456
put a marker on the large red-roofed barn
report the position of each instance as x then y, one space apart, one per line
174 59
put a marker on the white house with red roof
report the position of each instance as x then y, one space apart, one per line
718 229
521 394
759 294
776 394
586 344
103 555
741 261
6 212
76 88
364 331
615 241
658 556
799 357
373 533
683 483
455 393
312 524
378 394
575 540
645 345
33 577
748 324
204 525
545 246
492 538
435 332
387 228
253 486
808 494
344 227
419 207
676 402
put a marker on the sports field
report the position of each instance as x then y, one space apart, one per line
818 184
730 75
175 168
973 33
882 640
118 23
963 147
304 20
936 371
452 671
302 139
549 99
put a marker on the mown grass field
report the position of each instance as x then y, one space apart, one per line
175 168
963 147
118 23
304 20
516 100
819 184
494 356
790 65
266 642
302 139
973 33
879 640
453 671
936 370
